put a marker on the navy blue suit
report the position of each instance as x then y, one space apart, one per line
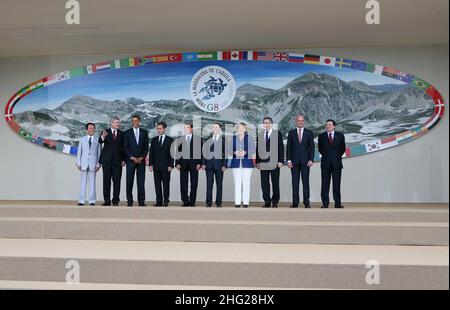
134 149
214 165
331 165
299 154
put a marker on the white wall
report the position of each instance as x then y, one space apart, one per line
415 172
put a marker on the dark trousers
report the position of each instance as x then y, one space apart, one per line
210 175
296 172
186 173
162 178
111 172
139 171
266 176
327 174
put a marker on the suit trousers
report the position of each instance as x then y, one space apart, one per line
84 176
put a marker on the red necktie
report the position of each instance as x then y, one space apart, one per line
330 138
299 132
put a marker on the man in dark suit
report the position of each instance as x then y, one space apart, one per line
331 147
112 161
300 158
214 162
161 163
189 162
269 160
135 146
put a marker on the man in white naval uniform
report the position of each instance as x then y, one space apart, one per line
88 156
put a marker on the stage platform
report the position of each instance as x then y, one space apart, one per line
224 248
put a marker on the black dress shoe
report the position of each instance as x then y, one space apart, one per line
142 205
208 205
293 206
157 205
245 206
266 205
219 205
237 206
92 204
339 207
166 204
81 204
185 205
192 205
324 207
106 204
115 204
275 205
307 206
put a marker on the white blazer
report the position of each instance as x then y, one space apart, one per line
88 157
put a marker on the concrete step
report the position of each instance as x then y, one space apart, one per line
256 231
352 213
225 264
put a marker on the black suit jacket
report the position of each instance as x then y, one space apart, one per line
131 149
112 151
160 157
280 147
300 154
190 161
216 163
332 153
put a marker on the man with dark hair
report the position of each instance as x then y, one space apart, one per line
214 162
189 162
300 158
112 160
88 155
161 163
269 160
135 146
331 147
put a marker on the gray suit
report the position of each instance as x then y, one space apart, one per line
88 161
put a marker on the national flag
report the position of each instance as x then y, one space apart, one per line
327 61
236 55
420 84
78 72
55 78
343 63
73 150
312 59
404 77
14 126
434 94
279 56
188 57
252 55
50 144
265 55
396 74
8 118
372 146
66 149
159 58
224 55
33 86
378 69
178 57
121 63
358 150
294 57
25 134
106 65
439 107
370 67
133 62
59 146
37 140
388 140
207 55
359 65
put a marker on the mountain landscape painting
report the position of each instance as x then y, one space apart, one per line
366 106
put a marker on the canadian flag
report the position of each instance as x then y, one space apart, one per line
235 55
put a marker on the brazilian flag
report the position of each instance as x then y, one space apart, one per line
25 134
420 84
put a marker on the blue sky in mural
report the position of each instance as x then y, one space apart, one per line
171 81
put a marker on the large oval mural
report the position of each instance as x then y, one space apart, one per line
377 107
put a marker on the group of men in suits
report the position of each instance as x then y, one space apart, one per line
192 154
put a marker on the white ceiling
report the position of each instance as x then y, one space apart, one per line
37 27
